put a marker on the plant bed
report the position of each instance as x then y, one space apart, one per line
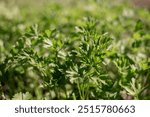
87 49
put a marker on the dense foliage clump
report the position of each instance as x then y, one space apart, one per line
87 49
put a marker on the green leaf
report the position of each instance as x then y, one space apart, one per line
22 96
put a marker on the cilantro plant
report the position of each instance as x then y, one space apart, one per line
87 49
